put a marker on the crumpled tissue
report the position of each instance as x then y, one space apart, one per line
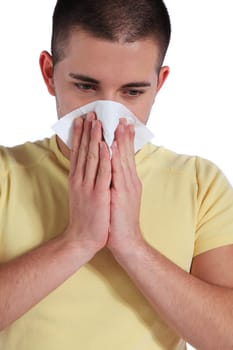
109 113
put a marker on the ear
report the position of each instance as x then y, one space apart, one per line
163 74
46 66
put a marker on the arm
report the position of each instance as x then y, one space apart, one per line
31 277
198 307
199 311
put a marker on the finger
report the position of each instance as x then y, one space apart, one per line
130 147
125 143
131 130
84 145
117 172
132 174
93 153
103 177
76 140
120 138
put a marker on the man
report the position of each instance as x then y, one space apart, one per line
133 252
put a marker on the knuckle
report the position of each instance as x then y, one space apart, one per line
105 167
86 188
83 148
91 156
74 181
102 171
124 164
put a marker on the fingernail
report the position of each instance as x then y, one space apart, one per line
93 124
102 146
131 128
121 127
122 121
89 116
114 145
78 122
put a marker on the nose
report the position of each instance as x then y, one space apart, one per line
109 96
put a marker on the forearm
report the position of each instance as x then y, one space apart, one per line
29 278
200 313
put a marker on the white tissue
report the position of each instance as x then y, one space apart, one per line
109 113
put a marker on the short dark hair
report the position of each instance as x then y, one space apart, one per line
113 20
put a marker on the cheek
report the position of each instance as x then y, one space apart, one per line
65 98
65 102
62 106
143 108
143 116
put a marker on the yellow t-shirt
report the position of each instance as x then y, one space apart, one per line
187 209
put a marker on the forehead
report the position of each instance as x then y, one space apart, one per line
87 53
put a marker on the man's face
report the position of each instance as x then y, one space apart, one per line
96 69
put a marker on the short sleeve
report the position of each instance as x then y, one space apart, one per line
2 171
3 174
214 227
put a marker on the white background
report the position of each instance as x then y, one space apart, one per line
193 112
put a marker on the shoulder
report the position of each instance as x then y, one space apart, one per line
164 159
25 155
196 170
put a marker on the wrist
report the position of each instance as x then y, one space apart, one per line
81 250
129 250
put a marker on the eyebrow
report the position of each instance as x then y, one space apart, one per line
87 79
84 78
137 84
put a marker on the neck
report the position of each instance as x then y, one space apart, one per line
63 148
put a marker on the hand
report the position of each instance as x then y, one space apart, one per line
89 185
125 192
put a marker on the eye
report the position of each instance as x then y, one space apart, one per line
85 87
134 93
